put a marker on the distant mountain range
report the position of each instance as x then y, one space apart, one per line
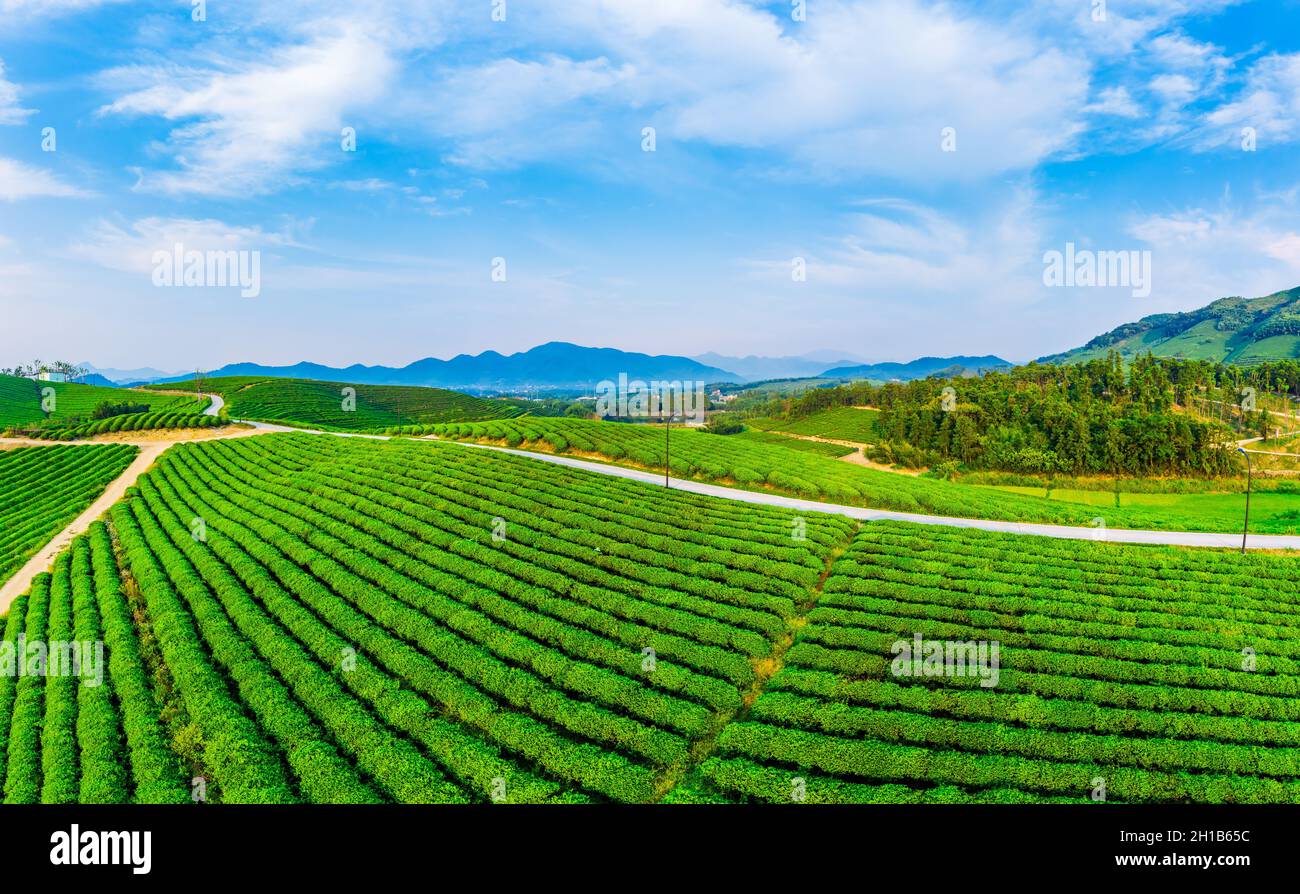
1235 330
557 365
754 368
123 376
920 368
561 366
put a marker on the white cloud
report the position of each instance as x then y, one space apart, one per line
130 249
1175 89
23 181
1115 101
258 122
1192 57
369 184
16 10
1128 27
11 112
858 88
862 88
509 112
899 249
1269 102
1200 253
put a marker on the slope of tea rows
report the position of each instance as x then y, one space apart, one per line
343 407
23 402
42 489
753 464
1152 673
351 621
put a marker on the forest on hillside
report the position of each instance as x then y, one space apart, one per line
1148 416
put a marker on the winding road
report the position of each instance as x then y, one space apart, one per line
1065 532
150 450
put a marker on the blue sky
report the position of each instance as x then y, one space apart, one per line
777 136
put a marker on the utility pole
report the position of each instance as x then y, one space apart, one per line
1249 475
668 424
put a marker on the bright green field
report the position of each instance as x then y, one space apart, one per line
755 465
509 630
1125 664
307 403
1270 513
44 488
415 622
771 438
840 423
131 422
20 400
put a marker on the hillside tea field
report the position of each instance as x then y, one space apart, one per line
307 403
346 621
44 488
841 424
820 448
303 618
1161 674
758 461
97 737
163 420
21 401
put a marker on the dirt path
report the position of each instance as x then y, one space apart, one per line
859 455
151 450
152 444
859 458
818 438
22 578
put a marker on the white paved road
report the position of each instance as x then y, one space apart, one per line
1109 535
150 451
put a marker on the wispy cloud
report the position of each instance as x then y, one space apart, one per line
11 111
130 248
256 124
1269 103
856 88
23 181
1202 252
369 184
15 11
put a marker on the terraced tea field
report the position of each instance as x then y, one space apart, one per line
42 489
163 420
308 618
820 448
763 463
95 738
840 424
21 401
1163 674
340 620
326 405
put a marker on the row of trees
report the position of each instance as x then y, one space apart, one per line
1105 416
31 370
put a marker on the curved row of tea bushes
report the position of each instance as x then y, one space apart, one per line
42 489
1168 674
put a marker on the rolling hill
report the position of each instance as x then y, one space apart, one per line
303 402
919 368
404 622
556 364
1232 330
21 400
755 368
